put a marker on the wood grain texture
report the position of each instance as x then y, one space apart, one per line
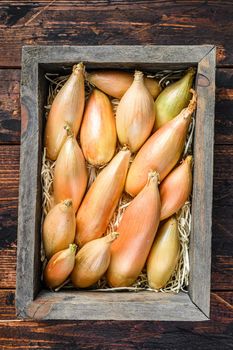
202 194
113 23
9 106
76 305
212 335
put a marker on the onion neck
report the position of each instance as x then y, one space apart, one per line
111 237
73 248
138 76
77 68
153 176
68 203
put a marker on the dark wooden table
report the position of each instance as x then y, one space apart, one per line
117 22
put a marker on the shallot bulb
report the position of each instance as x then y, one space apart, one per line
135 114
101 200
92 261
67 108
116 83
59 228
137 230
60 267
176 188
164 254
70 174
98 130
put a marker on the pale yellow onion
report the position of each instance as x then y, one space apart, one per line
70 173
59 228
98 130
101 200
67 107
92 261
161 151
176 188
60 267
173 99
135 114
164 254
115 82
137 230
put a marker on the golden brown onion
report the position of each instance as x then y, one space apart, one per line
60 267
70 174
137 230
59 228
67 108
116 83
135 114
176 188
92 261
98 130
101 199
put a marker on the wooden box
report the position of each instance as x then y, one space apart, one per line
34 302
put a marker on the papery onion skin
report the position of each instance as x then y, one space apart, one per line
173 99
164 254
92 261
176 188
161 151
135 114
70 173
101 199
137 230
59 228
60 267
67 107
98 130
116 83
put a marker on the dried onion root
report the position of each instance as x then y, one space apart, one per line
180 278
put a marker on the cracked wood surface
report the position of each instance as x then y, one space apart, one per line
117 22
114 23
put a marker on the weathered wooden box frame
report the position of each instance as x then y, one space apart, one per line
31 301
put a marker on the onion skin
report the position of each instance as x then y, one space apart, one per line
98 130
59 228
137 230
92 261
70 174
116 83
176 188
135 114
173 99
60 267
67 108
161 151
101 199
164 254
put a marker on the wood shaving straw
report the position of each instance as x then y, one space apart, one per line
180 278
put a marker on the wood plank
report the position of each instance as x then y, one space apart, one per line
212 335
222 243
82 305
113 23
203 151
7 304
10 106
224 107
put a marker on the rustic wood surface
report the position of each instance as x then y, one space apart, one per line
117 22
